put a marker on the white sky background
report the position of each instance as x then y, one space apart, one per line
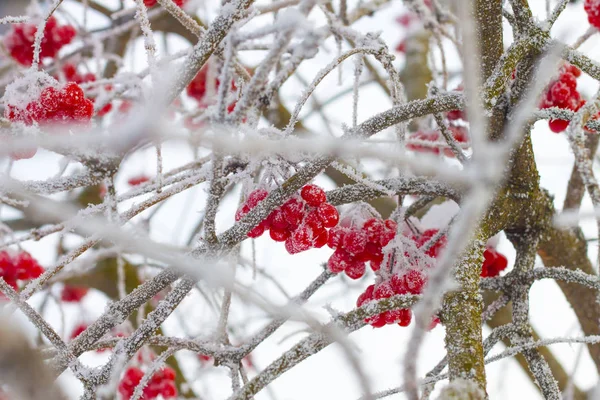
327 375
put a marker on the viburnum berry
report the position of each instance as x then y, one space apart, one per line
19 41
493 263
65 106
313 195
73 294
138 180
355 242
414 281
592 8
78 330
152 3
328 214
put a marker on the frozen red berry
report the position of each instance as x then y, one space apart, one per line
313 195
328 214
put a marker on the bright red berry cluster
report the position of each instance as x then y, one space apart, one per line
138 180
73 294
54 107
562 93
412 282
19 42
592 8
162 384
152 3
355 244
65 106
458 132
493 263
301 222
18 267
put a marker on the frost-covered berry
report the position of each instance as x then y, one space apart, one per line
152 3
313 195
67 105
138 180
355 242
73 294
328 214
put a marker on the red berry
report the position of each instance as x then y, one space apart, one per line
138 180
558 125
336 236
302 238
339 261
377 321
366 296
355 270
414 281
405 317
279 235
243 210
321 239
328 214
355 242
169 390
373 228
78 330
73 294
256 197
293 210
257 231
313 195
383 291
398 284
278 220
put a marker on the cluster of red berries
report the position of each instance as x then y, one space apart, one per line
152 3
18 267
493 263
562 93
356 244
411 282
458 132
592 8
301 222
19 42
162 384
414 280
55 106
73 294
